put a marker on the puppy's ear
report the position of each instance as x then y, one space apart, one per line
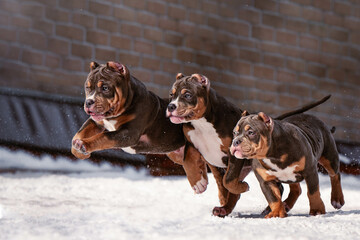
266 119
179 76
203 80
118 67
245 113
93 65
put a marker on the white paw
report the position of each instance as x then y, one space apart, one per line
200 186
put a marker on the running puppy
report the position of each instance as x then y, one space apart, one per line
288 151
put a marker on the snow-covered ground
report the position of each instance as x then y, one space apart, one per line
108 203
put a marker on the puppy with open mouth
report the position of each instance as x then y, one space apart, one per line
124 114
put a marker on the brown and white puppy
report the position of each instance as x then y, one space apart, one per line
208 120
124 114
288 151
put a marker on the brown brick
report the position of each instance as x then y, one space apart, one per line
121 42
104 54
289 9
266 5
296 25
312 14
205 32
352 24
334 20
287 101
70 32
32 57
262 33
163 79
186 28
185 55
20 22
173 68
338 35
286 38
32 10
263 72
33 39
147 19
167 24
139 4
331 47
73 5
198 18
177 13
237 28
274 60
81 50
316 70
131 30
143 47
240 67
309 80
331 61
204 60
295 65
222 63
59 46
249 15
309 42
355 38
156 7
276 21
10 35
151 63
249 55
124 13
129 59
173 38
97 37
342 8
72 64
83 20
10 6
285 76
323 4
227 11
100 8
44 26
57 15
299 90
164 51
107 25
52 61
210 7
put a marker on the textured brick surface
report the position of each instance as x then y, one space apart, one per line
263 55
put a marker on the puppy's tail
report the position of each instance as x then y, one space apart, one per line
304 108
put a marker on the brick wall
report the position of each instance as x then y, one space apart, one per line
269 55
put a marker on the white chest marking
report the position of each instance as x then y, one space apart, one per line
286 175
207 141
129 150
110 125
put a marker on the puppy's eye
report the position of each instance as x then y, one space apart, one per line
187 95
251 133
171 95
105 88
87 89
235 134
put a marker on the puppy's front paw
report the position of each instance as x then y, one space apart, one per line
79 149
200 185
220 212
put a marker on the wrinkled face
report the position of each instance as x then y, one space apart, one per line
188 98
252 136
106 89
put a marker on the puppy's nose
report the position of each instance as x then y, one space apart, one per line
171 107
236 142
89 102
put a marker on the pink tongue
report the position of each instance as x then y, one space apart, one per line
238 154
176 120
97 117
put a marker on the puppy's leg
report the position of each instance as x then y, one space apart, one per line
233 180
88 129
271 191
331 164
312 181
194 166
295 191
227 200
